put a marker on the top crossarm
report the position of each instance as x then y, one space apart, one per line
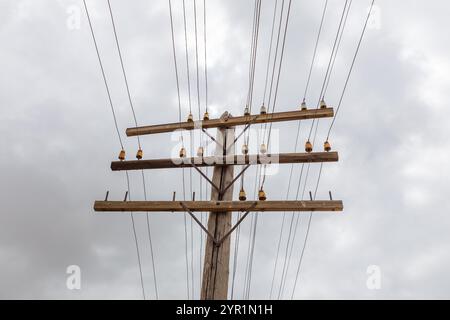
233 121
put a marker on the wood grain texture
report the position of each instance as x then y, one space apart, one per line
216 266
219 206
233 121
282 158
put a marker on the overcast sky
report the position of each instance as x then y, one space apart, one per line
58 138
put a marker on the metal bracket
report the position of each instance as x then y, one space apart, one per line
237 224
198 222
212 138
226 235
206 177
234 180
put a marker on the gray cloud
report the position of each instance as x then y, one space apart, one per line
58 138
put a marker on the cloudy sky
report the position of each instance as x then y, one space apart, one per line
58 138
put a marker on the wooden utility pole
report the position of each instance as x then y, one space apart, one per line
217 256
221 205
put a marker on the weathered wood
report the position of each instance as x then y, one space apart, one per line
233 121
281 158
219 206
216 265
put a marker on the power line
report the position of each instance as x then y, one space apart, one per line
270 51
236 254
135 237
206 64
254 43
123 70
290 243
250 237
296 144
206 145
274 60
199 117
315 50
253 52
103 74
135 119
252 67
120 141
320 170
284 215
278 79
176 67
196 59
351 68
187 56
322 93
287 261
150 239
307 232
254 220
338 44
181 137
252 256
273 106
328 66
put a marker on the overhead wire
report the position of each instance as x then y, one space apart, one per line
274 101
320 171
103 74
123 71
202 235
326 86
270 51
296 143
253 54
120 141
199 111
276 86
328 73
135 238
322 92
182 142
308 227
190 138
351 68
249 99
150 240
283 218
251 66
313 59
338 44
290 243
139 143
187 57
294 217
206 64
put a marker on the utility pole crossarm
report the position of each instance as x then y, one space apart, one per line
281 158
219 206
219 228
233 121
